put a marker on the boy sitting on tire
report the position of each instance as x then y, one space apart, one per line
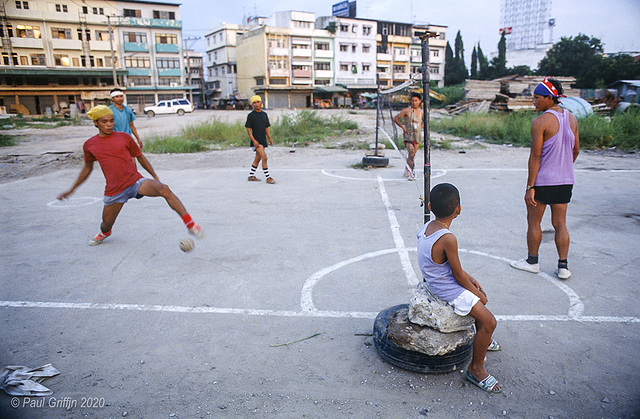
441 270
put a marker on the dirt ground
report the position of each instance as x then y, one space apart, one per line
271 314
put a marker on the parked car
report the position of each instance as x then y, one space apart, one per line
179 106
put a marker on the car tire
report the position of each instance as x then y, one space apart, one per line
180 112
151 113
375 161
413 360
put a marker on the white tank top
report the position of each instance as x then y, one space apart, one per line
438 276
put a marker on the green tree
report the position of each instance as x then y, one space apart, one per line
474 64
498 66
580 57
449 66
461 67
483 65
619 67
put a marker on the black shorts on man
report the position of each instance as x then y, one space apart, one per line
555 194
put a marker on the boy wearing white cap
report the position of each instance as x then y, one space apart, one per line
115 152
123 115
258 128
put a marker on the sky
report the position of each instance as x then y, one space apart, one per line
615 22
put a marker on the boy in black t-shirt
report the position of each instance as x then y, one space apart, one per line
258 128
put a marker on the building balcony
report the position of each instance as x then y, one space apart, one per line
169 72
416 59
301 81
401 76
66 44
400 58
384 76
279 72
299 52
171 48
139 71
321 53
324 74
100 46
301 73
279 52
154 23
383 57
135 47
27 43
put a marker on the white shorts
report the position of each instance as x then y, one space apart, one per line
463 303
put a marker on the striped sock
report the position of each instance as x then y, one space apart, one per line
188 222
266 172
252 172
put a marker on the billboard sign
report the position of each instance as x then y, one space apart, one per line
341 9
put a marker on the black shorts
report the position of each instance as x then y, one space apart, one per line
556 194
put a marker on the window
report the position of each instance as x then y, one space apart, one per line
131 13
61 33
38 59
18 5
344 28
76 61
87 33
62 60
222 71
366 48
5 58
85 10
61 8
140 81
137 62
168 63
321 82
322 66
399 68
169 81
25 31
137 37
366 67
102 35
366 30
98 11
322 46
344 47
399 51
354 47
161 14
434 70
354 28
162 38
24 60
344 67
436 53
91 61
107 62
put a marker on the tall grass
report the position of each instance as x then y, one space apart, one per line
621 130
303 127
7 140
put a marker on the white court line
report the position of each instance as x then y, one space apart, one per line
412 279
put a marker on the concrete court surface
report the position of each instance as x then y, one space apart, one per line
139 329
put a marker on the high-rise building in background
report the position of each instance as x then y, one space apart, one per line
528 29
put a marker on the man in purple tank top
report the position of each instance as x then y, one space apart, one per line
554 147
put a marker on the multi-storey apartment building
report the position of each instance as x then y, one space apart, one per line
61 52
437 48
355 51
222 73
276 60
194 74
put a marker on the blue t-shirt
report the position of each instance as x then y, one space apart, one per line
122 118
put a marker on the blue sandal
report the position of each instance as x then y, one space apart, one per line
494 346
488 384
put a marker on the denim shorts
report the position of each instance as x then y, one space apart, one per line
124 196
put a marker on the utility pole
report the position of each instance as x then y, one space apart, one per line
113 58
186 50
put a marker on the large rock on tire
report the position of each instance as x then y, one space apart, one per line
397 350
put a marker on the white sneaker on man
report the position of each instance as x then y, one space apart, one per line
563 273
523 265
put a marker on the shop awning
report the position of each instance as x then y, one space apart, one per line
330 89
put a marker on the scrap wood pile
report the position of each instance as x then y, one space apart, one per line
512 93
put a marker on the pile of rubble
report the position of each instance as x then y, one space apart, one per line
512 93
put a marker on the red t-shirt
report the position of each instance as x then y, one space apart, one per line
115 154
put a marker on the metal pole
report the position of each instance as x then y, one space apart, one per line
113 58
424 37
378 107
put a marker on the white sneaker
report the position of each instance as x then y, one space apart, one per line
523 265
563 273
